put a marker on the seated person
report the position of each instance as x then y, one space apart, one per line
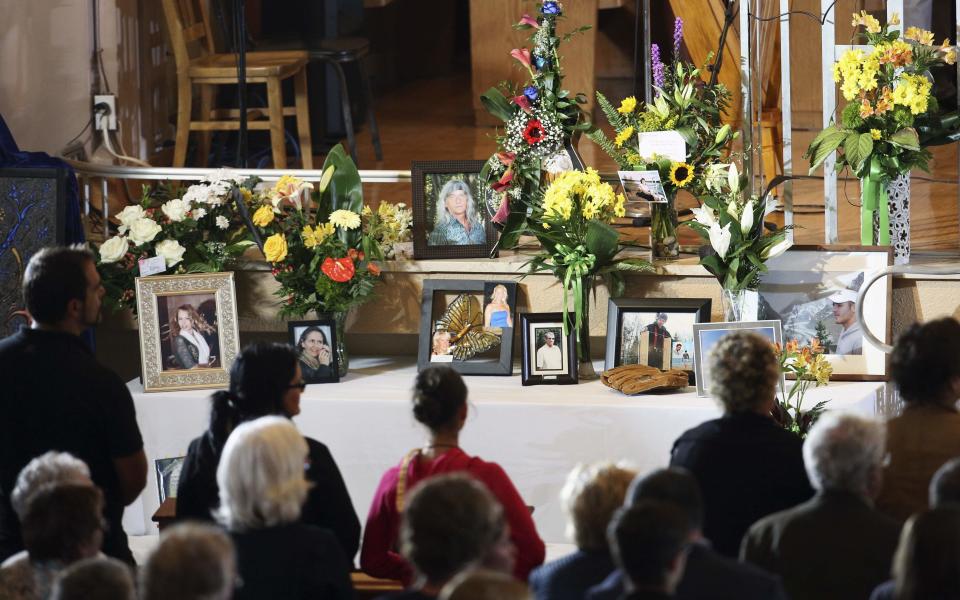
98 578
925 564
484 584
648 541
193 561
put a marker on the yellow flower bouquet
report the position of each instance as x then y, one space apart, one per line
808 366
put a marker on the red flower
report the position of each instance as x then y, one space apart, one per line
360 255
352 253
504 182
523 103
534 132
338 269
522 55
503 212
374 269
506 157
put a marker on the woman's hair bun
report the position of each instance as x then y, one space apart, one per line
438 394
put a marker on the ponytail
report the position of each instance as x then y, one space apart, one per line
224 416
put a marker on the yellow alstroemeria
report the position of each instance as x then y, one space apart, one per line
867 20
921 36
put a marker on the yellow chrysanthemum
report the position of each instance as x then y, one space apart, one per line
275 248
623 136
627 105
263 216
875 134
313 237
913 92
345 218
681 174
618 207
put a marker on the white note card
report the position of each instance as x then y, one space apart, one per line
152 266
667 144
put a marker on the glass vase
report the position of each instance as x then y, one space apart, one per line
343 357
585 369
740 305
664 243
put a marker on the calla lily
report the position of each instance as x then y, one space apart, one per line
705 216
522 55
504 182
523 103
528 20
776 249
503 212
506 158
720 239
733 178
746 218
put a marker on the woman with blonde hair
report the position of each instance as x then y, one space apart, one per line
497 312
262 489
187 331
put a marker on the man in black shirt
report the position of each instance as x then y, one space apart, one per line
56 396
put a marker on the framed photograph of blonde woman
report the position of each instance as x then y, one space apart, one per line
450 216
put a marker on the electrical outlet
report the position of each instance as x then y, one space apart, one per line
111 101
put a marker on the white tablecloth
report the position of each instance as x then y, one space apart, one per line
536 433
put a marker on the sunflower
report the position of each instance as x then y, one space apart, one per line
681 174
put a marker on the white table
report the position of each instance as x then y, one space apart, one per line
536 433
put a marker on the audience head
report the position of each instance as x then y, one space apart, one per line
674 485
262 380
648 542
590 496
450 523
927 561
484 584
925 365
46 469
63 522
261 475
440 398
95 579
193 561
61 287
945 485
744 373
845 453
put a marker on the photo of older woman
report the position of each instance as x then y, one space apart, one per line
315 355
457 221
188 341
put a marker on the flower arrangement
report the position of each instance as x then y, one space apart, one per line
200 231
579 244
738 242
808 366
320 256
888 90
391 224
540 118
685 104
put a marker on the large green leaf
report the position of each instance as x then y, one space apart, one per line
906 138
826 142
512 230
497 104
857 148
345 192
602 241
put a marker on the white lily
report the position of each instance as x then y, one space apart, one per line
715 175
746 218
733 178
776 249
720 239
705 216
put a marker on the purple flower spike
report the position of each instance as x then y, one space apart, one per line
657 67
677 37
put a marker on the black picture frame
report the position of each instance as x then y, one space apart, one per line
703 344
619 308
503 365
529 373
424 208
328 328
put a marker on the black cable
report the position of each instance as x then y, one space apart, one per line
240 46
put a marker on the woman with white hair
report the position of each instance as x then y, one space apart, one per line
262 489
457 220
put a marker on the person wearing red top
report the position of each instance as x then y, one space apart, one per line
440 403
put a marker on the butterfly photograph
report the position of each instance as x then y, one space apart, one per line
468 325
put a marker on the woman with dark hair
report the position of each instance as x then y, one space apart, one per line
925 367
265 379
440 404
314 354
188 329
927 562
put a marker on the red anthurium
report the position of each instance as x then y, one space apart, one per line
503 212
504 182
528 20
506 157
338 269
522 55
534 132
523 103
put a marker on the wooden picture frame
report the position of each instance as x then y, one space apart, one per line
706 335
440 345
535 370
799 288
439 237
300 334
194 356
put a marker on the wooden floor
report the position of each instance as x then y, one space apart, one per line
433 120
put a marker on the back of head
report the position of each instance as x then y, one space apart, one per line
54 276
63 522
95 579
449 523
259 378
743 372
646 539
925 564
945 485
193 561
674 485
924 363
483 584
48 468
845 452
438 395
261 475
591 495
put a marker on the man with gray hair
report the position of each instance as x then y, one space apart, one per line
835 545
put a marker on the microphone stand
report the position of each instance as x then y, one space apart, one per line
240 47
